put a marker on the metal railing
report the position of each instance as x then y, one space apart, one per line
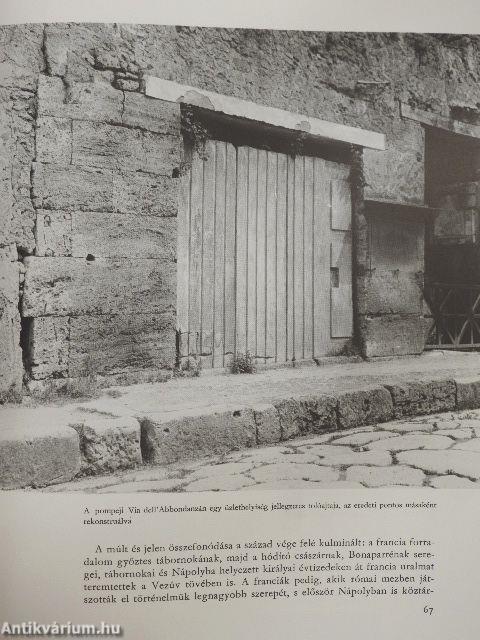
455 316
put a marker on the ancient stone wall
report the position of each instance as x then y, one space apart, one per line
89 166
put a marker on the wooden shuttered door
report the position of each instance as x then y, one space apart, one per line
264 256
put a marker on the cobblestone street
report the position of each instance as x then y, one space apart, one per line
438 451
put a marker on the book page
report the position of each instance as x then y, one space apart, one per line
239 325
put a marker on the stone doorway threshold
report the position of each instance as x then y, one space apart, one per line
191 418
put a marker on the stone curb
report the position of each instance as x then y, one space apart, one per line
108 444
32 456
221 432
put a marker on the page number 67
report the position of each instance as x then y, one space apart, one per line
428 610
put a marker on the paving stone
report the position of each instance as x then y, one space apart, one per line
447 424
400 486
223 469
364 407
466 423
462 463
340 484
305 443
149 472
344 456
469 445
453 482
108 444
143 485
35 450
456 434
386 476
474 414
411 441
408 427
281 485
300 456
359 439
219 483
259 456
87 485
287 471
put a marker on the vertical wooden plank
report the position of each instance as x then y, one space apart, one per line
252 252
183 257
341 218
281 266
271 258
289 265
196 233
230 205
208 246
219 291
298 259
321 258
308 260
241 250
341 285
261 250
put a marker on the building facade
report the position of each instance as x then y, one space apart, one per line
174 193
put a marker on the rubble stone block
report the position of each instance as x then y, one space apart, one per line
101 102
306 414
122 344
72 286
364 407
54 140
391 291
395 242
468 393
54 233
192 437
70 188
37 451
11 368
268 424
397 174
114 147
151 114
96 101
105 235
23 59
48 350
108 444
421 398
393 335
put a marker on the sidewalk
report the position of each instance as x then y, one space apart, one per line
192 418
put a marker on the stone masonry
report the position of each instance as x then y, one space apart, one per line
90 166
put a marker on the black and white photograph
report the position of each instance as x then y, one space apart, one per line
238 259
